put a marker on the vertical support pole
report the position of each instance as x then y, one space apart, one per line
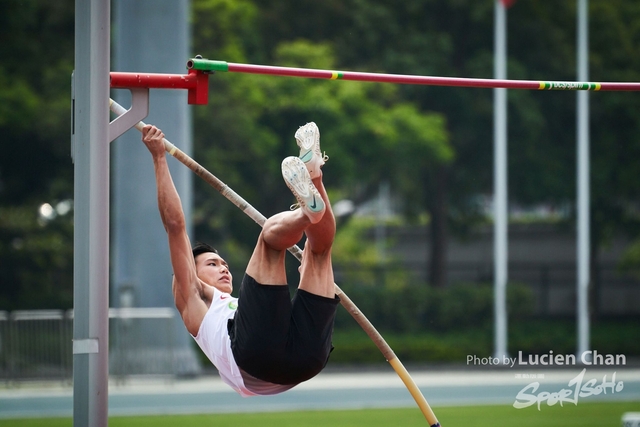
500 185
90 152
583 240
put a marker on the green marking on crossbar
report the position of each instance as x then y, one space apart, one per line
208 65
569 86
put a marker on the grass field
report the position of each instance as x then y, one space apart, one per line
583 415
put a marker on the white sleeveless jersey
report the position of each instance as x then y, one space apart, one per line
214 340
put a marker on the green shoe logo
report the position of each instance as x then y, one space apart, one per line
306 157
314 206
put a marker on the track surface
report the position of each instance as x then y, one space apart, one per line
330 390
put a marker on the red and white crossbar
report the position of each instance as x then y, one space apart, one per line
223 66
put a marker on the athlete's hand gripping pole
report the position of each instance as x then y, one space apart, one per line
346 302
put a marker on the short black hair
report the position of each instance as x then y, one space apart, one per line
201 248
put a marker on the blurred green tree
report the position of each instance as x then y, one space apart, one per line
455 38
36 254
368 130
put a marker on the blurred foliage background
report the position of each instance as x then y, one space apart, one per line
433 145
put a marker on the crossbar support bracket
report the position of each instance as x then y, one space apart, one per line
138 111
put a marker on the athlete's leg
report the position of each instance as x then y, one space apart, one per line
316 270
314 218
280 232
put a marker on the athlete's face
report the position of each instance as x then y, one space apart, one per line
214 271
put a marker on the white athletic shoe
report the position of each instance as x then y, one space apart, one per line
297 178
308 139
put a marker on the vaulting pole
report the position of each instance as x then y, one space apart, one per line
212 66
346 302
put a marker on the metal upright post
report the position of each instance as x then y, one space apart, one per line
90 153
500 186
583 240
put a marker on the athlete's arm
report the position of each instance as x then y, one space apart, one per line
188 292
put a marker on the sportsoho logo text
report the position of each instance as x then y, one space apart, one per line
577 388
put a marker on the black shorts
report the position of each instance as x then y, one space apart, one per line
278 339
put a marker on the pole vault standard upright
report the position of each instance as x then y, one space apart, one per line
90 154
207 65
